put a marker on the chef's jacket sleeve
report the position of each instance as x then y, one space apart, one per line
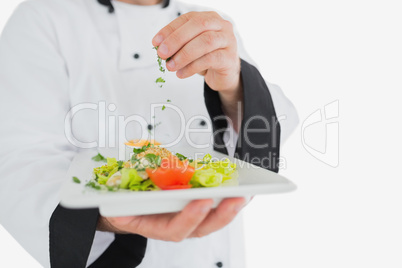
285 111
35 153
269 117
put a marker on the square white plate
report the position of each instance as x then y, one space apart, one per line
252 180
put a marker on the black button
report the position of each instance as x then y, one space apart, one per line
150 127
219 264
136 56
203 123
178 14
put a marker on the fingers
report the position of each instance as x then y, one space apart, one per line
219 217
197 219
175 38
167 226
170 28
217 60
121 223
185 222
201 45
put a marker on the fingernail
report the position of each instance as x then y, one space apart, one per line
171 64
163 49
179 73
158 39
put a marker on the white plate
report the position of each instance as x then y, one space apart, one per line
253 180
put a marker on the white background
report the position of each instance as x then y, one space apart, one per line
319 52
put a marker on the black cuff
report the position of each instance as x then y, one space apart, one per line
218 118
72 232
259 136
71 235
126 251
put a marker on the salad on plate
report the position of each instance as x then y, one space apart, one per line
153 168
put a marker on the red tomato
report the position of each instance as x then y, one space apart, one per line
172 174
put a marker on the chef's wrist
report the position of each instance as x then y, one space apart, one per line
105 226
232 104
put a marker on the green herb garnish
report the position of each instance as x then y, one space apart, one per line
160 80
76 180
163 107
154 159
181 157
120 165
99 158
93 185
142 149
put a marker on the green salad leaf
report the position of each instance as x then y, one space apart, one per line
213 173
206 178
103 173
131 180
225 167
129 176
146 185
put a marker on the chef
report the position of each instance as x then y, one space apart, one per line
94 60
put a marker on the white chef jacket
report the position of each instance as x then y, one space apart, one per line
57 54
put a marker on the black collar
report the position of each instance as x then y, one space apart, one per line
108 3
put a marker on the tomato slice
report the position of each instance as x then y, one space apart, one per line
178 187
172 174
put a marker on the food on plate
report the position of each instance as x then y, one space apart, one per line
140 143
155 168
172 173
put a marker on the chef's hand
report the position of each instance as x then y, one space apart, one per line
197 219
204 43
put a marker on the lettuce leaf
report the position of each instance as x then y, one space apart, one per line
225 167
206 178
213 174
103 173
146 185
131 180
129 177
111 162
